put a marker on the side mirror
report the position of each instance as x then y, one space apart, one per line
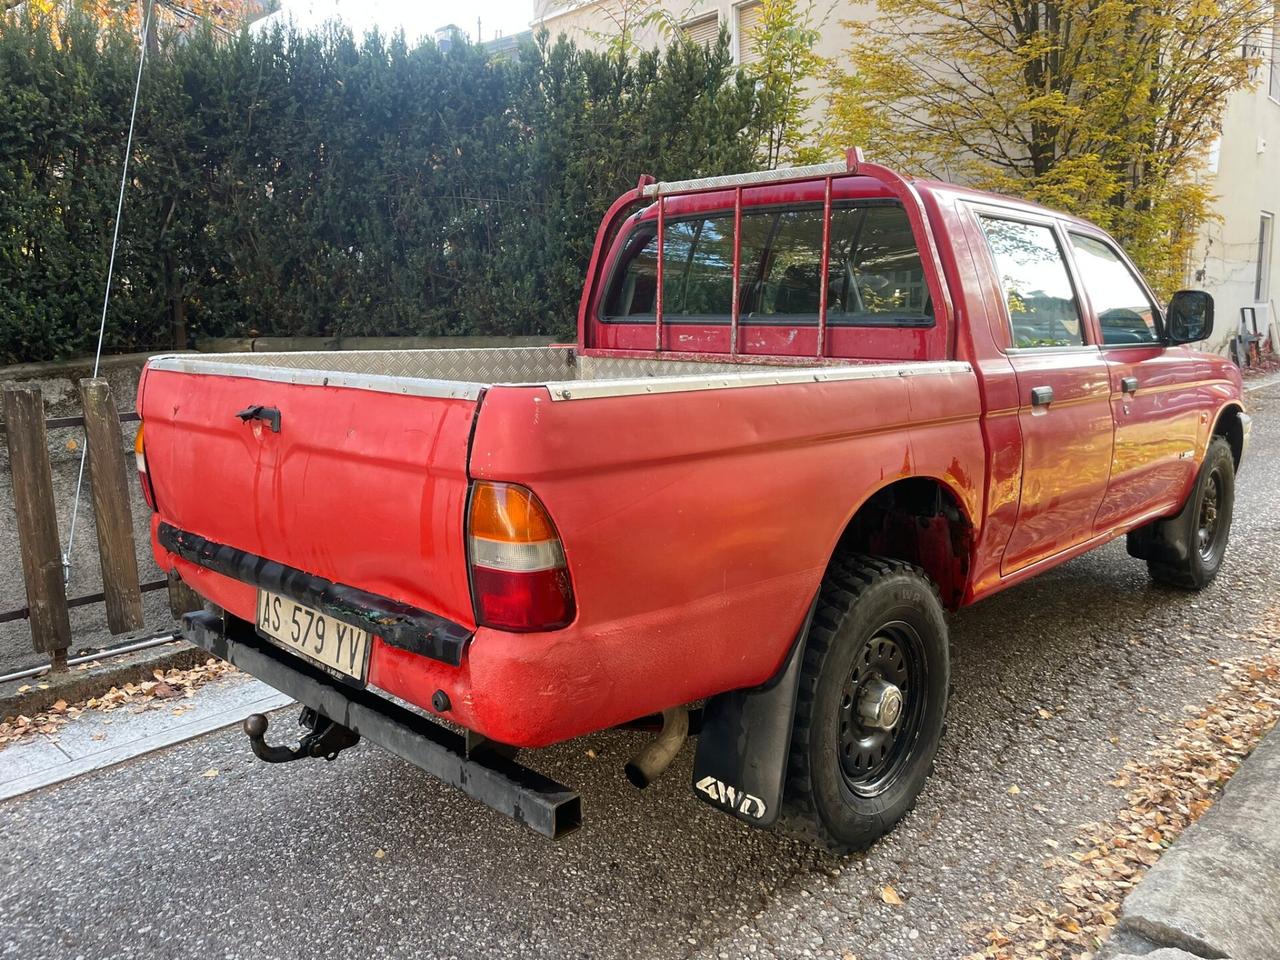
1190 316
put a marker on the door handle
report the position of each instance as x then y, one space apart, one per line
1128 384
258 412
1041 396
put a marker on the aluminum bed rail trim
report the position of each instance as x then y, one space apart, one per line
634 386
737 375
528 797
408 386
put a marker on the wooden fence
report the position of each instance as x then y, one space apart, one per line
109 474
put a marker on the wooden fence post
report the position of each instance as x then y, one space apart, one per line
109 487
37 522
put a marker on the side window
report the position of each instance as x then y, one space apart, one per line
1037 287
1125 314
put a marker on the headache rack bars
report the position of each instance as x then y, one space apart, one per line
852 165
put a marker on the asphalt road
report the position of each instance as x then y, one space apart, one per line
155 859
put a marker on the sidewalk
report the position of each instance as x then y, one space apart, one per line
1216 893
96 739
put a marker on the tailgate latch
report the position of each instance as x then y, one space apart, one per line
258 412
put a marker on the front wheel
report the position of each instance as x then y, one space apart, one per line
1205 523
871 703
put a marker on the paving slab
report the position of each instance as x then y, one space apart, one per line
1216 892
101 738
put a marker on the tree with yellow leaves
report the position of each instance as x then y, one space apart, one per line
1102 107
786 69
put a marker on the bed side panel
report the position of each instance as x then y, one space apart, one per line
697 525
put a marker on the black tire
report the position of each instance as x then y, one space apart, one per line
838 795
1206 523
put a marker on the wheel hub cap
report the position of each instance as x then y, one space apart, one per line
880 704
880 708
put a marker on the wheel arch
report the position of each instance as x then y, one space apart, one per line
1229 426
922 519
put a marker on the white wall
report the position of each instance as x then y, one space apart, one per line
1245 170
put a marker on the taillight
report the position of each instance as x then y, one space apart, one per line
139 455
519 579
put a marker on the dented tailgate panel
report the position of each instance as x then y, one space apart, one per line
360 487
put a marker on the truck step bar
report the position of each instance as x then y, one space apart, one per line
525 795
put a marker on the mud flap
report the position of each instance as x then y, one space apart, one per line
1164 541
741 764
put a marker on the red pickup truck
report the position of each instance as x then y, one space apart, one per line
808 412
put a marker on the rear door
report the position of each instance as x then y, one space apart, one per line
364 483
1064 408
1153 397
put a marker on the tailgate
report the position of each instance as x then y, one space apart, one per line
364 487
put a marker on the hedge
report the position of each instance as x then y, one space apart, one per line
297 184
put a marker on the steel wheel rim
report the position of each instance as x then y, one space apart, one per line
1208 521
871 758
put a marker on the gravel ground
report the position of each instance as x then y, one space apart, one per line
369 857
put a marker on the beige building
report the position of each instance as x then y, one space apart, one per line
1237 259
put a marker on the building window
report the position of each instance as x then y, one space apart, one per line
704 30
1262 278
749 15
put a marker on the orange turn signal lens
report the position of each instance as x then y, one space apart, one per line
144 478
509 514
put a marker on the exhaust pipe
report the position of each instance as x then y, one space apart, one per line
649 764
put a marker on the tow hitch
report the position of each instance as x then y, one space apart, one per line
324 738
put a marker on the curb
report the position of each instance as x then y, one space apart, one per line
1216 892
76 685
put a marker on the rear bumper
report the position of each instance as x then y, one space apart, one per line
537 689
540 803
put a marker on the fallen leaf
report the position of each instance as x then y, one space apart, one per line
164 691
1044 714
211 772
890 896
1014 790
379 853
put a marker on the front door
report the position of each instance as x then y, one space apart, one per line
1153 400
1064 407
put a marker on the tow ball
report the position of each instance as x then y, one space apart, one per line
324 738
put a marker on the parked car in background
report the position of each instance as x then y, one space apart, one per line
808 412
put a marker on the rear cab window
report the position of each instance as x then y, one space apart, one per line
875 276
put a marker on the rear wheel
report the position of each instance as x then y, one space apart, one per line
871 703
1206 521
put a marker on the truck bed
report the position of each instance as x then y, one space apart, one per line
566 373
697 501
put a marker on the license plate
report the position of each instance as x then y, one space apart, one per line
329 642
